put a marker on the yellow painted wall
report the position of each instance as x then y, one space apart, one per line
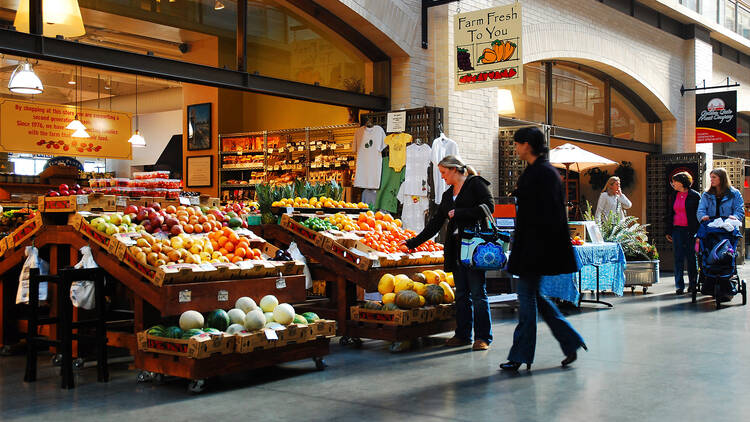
264 112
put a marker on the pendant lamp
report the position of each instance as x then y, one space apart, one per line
137 140
61 17
76 124
24 80
80 133
218 5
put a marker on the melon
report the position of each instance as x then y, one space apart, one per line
386 284
212 331
157 331
299 319
246 304
311 316
284 314
235 328
421 300
255 320
431 277
450 297
389 298
269 303
402 283
449 279
419 287
419 277
236 316
390 307
274 325
191 319
191 332
407 299
173 332
269 316
217 319
443 276
434 295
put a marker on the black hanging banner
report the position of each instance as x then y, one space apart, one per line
716 117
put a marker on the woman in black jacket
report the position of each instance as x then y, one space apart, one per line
681 225
460 205
541 246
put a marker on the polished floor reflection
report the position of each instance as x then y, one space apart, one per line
652 357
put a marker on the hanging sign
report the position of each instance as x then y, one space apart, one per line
716 117
396 122
488 48
39 128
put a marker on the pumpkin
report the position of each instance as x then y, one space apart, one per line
419 277
420 288
488 56
371 304
431 276
407 299
390 307
389 298
434 295
386 284
450 297
422 300
403 283
450 280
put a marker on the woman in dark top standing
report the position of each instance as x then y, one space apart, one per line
541 246
460 205
681 226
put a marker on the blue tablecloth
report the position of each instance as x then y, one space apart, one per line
611 261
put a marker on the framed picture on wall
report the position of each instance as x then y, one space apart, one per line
199 127
200 171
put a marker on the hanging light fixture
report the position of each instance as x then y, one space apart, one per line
218 5
505 104
61 17
137 140
72 80
76 125
24 80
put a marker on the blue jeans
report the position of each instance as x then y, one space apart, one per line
684 249
472 306
524 338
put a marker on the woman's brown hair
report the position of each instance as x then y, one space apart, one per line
452 161
724 182
684 178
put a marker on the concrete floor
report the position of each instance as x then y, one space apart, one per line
652 357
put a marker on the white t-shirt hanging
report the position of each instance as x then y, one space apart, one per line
414 210
368 144
441 147
417 164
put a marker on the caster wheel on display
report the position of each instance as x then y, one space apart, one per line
56 360
197 386
744 292
320 364
79 363
144 376
645 289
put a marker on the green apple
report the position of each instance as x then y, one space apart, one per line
105 217
126 219
97 221
101 227
111 229
115 219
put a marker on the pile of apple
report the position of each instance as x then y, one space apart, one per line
65 190
183 248
175 220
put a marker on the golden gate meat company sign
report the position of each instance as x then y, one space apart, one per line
488 48
39 128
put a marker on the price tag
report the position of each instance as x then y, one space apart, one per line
280 282
194 200
82 199
223 296
184 200
184 296
270 334
120 201
290 210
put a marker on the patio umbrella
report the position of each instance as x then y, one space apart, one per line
568 155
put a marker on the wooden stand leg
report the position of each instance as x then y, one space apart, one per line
342 311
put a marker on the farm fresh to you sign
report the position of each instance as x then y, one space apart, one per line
488 48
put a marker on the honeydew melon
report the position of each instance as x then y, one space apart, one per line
246 304
255 320
235 328
269 303
236 316
190 320
269 317
284 314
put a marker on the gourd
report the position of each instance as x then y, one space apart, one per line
434 295
450 297
422 300
419 277
403 283
389 298
386 284
431 276
420 288
407 299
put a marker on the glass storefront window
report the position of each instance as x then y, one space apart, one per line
690 4
627 122
730 8
743 21
529 99
577 99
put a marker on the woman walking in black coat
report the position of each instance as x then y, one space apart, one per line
541 246
461 206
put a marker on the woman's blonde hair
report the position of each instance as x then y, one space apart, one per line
611 181
452 161
724 182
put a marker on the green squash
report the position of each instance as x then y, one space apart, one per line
390 307
407 299
372 305
434 295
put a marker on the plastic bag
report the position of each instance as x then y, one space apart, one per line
297 255
82 292
32 261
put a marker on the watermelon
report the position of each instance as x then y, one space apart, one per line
311 316
299 319
217 319
157 331
235 222
191 332
173 332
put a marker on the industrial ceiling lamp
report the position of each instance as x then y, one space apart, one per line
505 104
137 140
218 5
24 80
61 17
76 125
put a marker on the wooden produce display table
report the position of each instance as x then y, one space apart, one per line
347 278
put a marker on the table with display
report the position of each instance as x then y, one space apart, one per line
602 267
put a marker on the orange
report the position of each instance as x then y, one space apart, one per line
364 226
387 217
223 251
398 222
378 215
190 211
371 222
236 259
234 238
227 231
214 244
223 240
229 256
229 246
211 217
370 213
256 252
240 251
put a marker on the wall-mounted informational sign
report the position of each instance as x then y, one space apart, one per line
716 117
488 48
39 128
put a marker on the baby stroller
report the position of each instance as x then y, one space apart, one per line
717 269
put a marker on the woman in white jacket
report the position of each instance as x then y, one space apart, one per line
612 199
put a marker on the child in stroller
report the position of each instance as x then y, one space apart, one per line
717 270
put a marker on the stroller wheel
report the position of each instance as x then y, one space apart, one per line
744 292
695 294
717 297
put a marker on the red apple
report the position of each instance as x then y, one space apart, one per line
156 220
64 192
63 187
77 186
131 209
156 206
176 230
171 222
53 193
142 215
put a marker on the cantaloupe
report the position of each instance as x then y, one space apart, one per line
255 320
236 316
234 329
389 298
190 320
450 297
402 283
246 304
431 277
386 284
284 314
269 303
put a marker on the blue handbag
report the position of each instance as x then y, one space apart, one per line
481 248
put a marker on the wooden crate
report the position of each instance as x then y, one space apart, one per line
24 231
321 328
358 259
446 311
397 317
61 203
197 347
4 245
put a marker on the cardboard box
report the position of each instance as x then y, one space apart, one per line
321 328
96 236
301 231
3 245
397 317
207 201
198 347
24 231
358 259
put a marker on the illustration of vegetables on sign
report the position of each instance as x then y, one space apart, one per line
488 47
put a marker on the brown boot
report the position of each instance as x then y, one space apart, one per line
480 345
456 341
